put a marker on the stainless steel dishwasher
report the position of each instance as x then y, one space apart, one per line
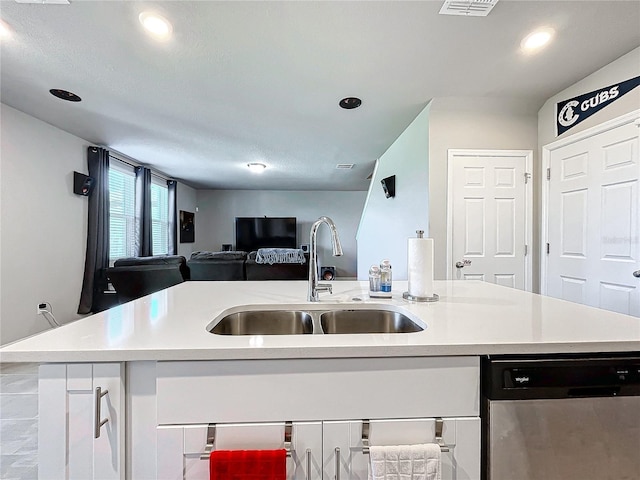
561 417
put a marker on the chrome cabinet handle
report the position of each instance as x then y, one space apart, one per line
636 274
99 422
337 477
308 464
463 263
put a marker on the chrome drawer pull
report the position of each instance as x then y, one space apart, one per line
99 422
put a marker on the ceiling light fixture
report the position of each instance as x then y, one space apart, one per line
157 26
537 39
350 103
256 167
65 95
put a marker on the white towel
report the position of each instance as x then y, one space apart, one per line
405 462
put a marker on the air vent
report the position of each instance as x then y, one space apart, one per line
473 8
344 166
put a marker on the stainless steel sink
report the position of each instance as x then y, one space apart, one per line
265 322
367 321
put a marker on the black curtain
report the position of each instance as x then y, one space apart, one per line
172 188
143 246
96 261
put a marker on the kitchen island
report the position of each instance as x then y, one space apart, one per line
175 390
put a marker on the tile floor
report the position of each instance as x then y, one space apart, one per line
18 421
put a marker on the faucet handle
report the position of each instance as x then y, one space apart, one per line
324 287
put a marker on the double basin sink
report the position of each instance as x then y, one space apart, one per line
310 321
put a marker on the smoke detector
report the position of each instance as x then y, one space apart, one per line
470 8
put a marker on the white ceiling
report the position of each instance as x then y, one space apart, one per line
247 82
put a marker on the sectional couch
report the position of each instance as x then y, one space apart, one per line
136 277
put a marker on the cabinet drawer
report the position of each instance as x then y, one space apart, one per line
304 390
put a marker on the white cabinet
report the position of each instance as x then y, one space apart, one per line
319 449
180 447
343 446
74 399
172 405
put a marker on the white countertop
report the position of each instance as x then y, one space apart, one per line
471 318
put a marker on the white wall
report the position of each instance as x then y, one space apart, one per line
43 223
186 201
217 209
43 233
387 223
483 123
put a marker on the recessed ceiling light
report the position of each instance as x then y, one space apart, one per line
256 167
157 26
64 95
5 31
537 39
350 103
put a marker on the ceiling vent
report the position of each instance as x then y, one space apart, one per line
344 166
472 8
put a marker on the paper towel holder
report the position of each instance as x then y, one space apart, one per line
413 298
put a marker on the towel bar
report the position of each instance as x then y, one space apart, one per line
439 440
211 439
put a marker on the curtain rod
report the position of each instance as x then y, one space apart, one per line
132 162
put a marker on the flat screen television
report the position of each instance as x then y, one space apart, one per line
253 233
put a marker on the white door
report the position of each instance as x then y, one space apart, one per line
490 216
593 226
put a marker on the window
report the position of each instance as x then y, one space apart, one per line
121 210
159 216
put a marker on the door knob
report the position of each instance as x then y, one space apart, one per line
463 263
636 274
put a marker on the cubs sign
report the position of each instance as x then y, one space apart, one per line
573 111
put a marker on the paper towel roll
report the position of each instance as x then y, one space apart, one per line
420 267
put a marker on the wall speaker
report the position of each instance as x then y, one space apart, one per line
327 273
389 186
82 184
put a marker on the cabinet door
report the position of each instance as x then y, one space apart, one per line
68 411
180 447
342 445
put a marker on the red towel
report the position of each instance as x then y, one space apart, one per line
248 465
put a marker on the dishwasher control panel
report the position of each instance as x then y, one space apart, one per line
544 377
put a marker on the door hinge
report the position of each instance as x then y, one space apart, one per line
548 174
547 249
527 176
526 250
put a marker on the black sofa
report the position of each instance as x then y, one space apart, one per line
135 277
217 265
234 266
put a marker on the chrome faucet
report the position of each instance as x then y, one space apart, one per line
314 286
